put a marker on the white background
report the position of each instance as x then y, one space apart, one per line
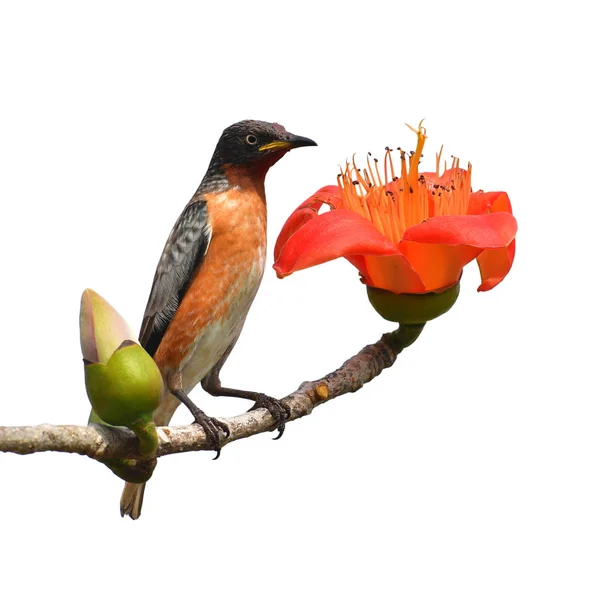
471 469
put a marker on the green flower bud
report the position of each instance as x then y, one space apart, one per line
123 382
127 387
126 391
412 309
102 329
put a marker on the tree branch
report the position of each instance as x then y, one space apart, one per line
100 442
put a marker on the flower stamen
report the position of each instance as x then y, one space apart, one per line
394 203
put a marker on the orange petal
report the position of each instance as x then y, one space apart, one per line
331 235
358 262
494 265
393 273
439 266
308 210
492 230
483 202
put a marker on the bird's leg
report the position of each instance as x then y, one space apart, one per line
212 427
212 384
280 413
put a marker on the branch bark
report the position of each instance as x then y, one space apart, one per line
100 442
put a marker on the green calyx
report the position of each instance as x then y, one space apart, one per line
132 469
412 309
404 336
126 391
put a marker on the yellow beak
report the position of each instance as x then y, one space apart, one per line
291 141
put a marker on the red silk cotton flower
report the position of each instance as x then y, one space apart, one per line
406 232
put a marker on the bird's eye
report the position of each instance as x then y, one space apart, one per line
251 139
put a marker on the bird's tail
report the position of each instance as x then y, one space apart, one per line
133 493
131 500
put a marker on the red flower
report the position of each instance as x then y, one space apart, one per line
410 233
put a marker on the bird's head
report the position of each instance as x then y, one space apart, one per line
255 144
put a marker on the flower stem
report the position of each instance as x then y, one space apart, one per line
145 430
404 336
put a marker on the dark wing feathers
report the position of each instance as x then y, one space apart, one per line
182 256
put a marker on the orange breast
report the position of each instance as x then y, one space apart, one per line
235 256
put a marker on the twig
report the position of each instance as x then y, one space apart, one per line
100 442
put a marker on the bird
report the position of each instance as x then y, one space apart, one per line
207 278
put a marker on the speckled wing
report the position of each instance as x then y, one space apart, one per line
181 258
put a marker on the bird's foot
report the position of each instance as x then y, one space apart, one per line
213 429
279 411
